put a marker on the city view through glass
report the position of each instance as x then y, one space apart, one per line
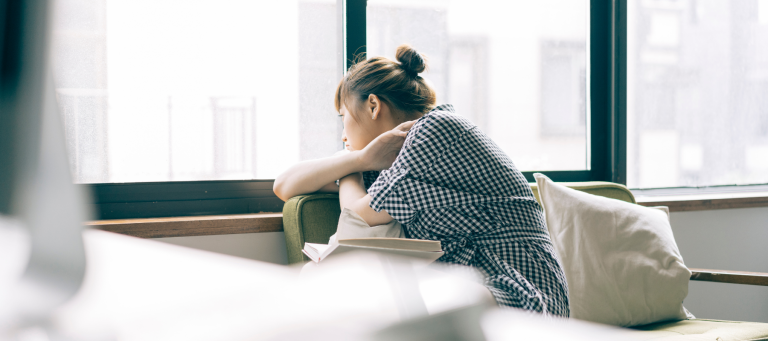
697 93
170 90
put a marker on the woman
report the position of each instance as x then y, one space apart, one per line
441 178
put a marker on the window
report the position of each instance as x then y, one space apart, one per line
191 108
697 79
176 110
171 90
563 89
517 69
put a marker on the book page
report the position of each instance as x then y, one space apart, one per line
430 256
318 248
395 243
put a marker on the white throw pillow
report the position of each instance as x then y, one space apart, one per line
620 259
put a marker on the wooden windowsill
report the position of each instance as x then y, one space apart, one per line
704 202
193 226
273 222
726 276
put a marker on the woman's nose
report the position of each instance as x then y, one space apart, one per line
343 135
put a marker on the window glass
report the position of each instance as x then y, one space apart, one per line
164 90
517 69
697 108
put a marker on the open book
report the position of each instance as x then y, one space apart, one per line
425 249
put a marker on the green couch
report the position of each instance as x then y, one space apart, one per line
313 218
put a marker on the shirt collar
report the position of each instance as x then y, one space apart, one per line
444 107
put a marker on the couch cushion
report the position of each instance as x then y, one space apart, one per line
621 261
701 329
599 188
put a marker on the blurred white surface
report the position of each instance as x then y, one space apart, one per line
263 246
518 325
14 255
143 290
138 289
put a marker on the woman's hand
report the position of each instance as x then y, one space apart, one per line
383 150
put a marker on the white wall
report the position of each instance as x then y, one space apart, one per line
734 239
265 247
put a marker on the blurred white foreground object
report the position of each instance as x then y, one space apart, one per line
36 189
479 322
513 324
145 290
14 255
138 289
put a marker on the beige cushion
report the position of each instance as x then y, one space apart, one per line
621 261
701 329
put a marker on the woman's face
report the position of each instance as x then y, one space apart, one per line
359 129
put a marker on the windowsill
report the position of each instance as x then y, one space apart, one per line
704 201
273 222
193 226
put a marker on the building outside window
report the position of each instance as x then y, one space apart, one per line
153 91
697 83
243 89
514 68
194 90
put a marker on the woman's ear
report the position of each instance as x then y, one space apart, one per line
374 105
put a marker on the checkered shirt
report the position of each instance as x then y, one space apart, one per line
451 183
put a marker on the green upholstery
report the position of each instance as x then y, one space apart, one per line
309 218
601 188
702 329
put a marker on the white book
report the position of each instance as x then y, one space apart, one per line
429 250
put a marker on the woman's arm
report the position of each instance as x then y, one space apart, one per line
353 196
314 175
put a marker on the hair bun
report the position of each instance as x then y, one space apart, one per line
411 61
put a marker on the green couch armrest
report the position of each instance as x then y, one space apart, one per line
600 188
309 218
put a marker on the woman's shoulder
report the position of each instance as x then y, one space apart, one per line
432 134
443 118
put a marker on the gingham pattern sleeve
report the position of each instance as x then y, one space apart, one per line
424 143
369 178
384 194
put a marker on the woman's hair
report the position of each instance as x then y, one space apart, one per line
397 84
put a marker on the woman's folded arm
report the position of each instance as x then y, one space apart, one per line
352 195
315 175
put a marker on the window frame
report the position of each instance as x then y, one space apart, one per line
606 122
607 97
